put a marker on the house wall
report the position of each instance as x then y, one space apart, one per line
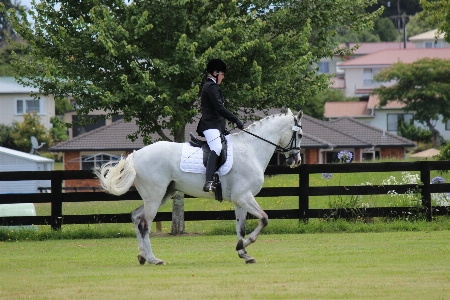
440 44
354 80
72 161
380 121
311 156
8 109
13 163
392 152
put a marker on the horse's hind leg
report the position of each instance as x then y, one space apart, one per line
249 204
241 216
142 225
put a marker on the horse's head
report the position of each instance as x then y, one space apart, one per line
293 157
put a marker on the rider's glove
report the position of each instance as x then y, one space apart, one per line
239 124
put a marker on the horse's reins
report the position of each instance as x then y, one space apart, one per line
291 146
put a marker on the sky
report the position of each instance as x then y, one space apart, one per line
26 3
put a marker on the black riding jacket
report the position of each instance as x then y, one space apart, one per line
214 112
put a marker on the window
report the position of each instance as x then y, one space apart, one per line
438 44
24 106
393 120
339 70
89 162
447 125
324 67
368 75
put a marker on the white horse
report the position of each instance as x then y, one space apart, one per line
155 171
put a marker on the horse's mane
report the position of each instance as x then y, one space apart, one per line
260 122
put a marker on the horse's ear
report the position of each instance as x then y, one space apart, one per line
300 115
289 112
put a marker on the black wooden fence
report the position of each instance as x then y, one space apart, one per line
56 196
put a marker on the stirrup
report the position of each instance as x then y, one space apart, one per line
209 187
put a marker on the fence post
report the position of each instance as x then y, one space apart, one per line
425 177
304 193
56 205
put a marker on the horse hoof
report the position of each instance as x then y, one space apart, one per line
157 262
141 260
251 261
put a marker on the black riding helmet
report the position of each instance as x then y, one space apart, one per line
216 64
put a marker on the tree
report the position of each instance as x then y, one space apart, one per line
28 128
62 105
144 59
6 139
410 131
437 14
417 25
385 29
58 131
423 86
5 26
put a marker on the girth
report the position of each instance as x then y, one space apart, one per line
195 142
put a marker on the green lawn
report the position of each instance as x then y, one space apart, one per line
395 265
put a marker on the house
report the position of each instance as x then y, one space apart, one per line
428 40
321 143
15 101
360 72
387 117
359 83
331 65
13 160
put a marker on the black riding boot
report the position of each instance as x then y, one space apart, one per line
210 170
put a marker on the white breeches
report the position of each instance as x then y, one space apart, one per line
213 138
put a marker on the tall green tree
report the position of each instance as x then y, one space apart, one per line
437 14
416 25
423 86
144 59
6 139
385 29
5 26
30 126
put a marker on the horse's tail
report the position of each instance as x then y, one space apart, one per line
117 177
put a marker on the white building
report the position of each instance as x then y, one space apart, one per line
13 160
15 101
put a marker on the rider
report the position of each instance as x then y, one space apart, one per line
212 122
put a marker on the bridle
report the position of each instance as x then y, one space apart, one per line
296 131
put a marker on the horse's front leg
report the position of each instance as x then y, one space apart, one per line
241 216
142 223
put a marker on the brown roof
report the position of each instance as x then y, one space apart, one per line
392 56
368 48
374 102
346 109
316 134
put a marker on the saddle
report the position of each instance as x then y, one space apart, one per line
195 142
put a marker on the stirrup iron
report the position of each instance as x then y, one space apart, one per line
209 187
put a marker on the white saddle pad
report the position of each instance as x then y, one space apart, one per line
192 159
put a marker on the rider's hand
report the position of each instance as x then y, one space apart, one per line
239 124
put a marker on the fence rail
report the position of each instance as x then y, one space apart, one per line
56 196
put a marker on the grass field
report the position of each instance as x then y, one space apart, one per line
395 265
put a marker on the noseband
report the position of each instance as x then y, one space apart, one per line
291 146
